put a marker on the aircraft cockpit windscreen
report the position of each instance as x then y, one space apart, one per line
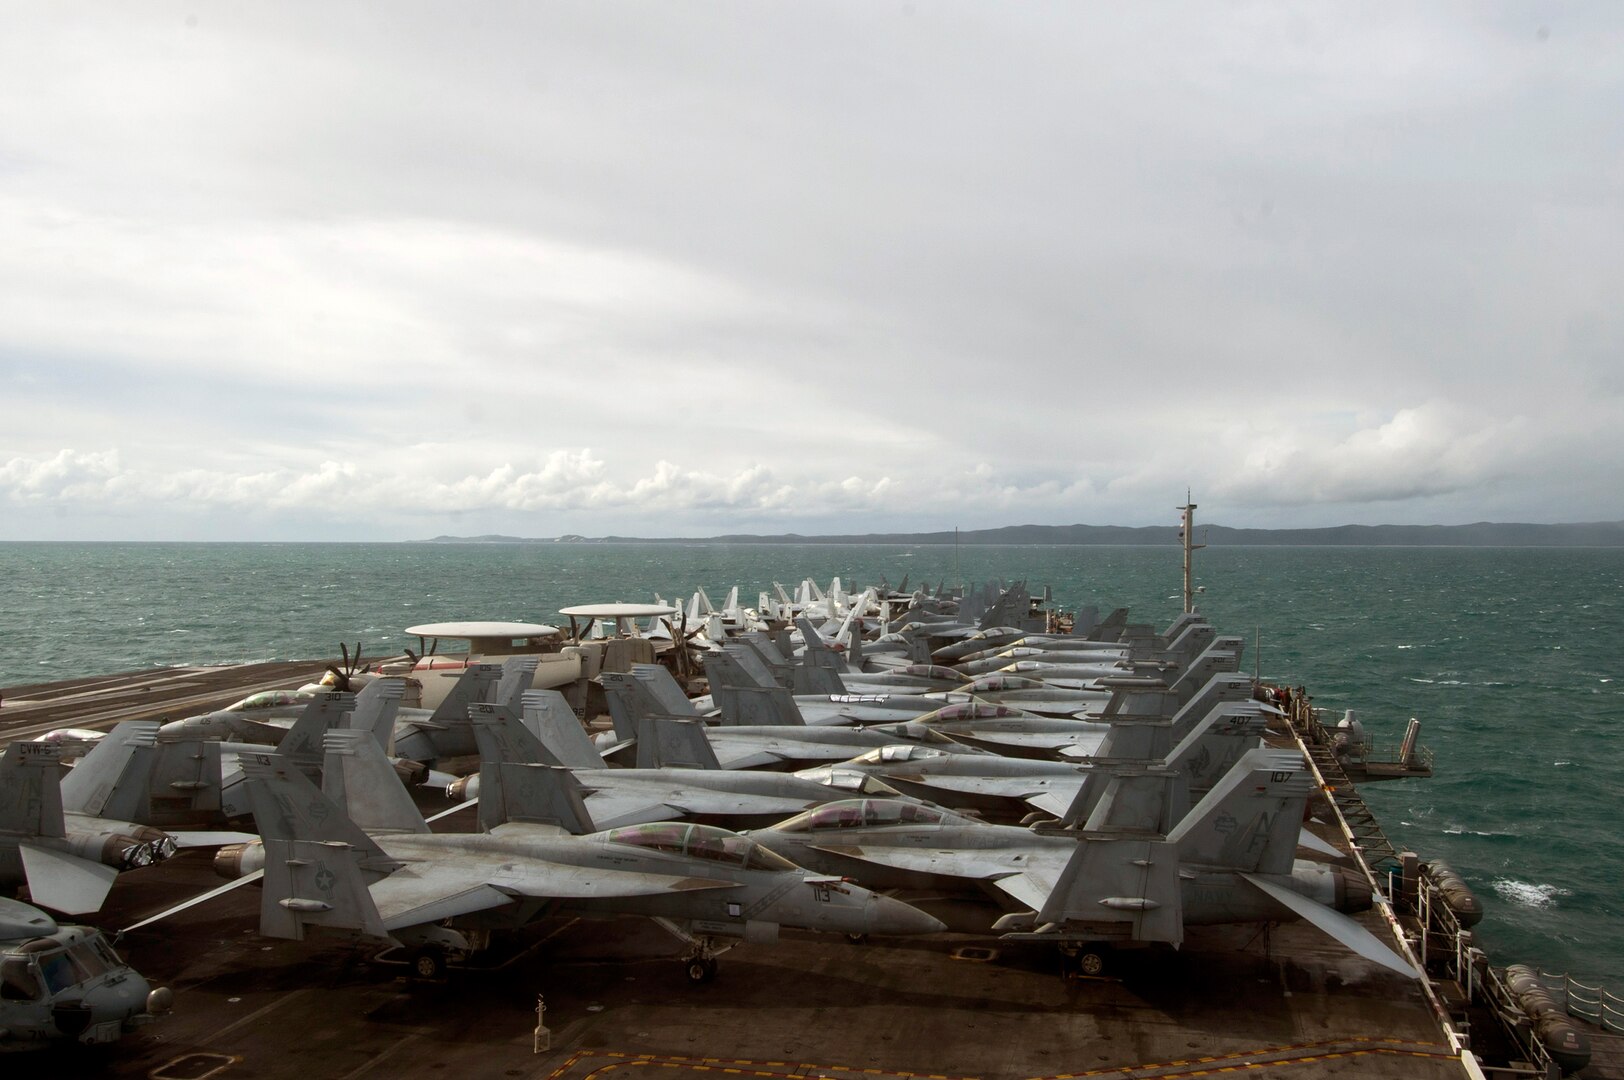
909 753
852 813
660 836
880 755
701 842
272 699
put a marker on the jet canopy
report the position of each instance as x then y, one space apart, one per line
700 842
273 699
853 813
880 755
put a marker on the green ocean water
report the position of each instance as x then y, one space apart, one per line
1511 658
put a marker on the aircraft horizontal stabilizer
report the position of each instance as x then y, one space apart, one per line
399 912
1313 843
562 881
1336 924
1026 889
187 838
63 882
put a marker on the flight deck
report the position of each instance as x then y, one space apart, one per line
616 999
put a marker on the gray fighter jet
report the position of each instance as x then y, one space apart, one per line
709 887
975 780
1230 859
68 838
743 698
1002 730
647 692
200 778
615 797
420 735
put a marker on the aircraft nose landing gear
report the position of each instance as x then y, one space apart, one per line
1088 960
699 962
428 963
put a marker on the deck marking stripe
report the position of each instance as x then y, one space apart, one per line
367 1065
257 1013
695 1065
1164 1072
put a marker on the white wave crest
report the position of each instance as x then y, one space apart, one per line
1529 895
1459 830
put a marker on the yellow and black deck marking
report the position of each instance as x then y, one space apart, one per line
1264 1058
778 1070
597 1064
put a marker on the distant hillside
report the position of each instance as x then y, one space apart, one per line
1480 534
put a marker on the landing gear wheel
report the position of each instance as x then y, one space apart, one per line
1091 962
428 963
701 969
857 939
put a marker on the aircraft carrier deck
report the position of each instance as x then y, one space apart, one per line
1232 1000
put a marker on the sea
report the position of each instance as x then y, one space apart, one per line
1511 658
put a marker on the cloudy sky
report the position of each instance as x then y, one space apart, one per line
385 271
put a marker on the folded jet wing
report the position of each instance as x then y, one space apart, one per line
464 883
1026 874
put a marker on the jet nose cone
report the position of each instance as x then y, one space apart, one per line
892 916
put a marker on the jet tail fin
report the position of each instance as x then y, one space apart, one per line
1193 639
773 705
742 701
302 743
662 687
186 782
723 670
629 701
539 794
356 776
287 806
518 672
675 743
1251 818
1217 659
752 663
500 736
112 779
1125 888
820 668
547 714
316 883
375 709
1217 742
1134 796
471 687
31 790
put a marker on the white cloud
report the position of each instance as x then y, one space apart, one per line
546 270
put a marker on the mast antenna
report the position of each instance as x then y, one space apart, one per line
1187 535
